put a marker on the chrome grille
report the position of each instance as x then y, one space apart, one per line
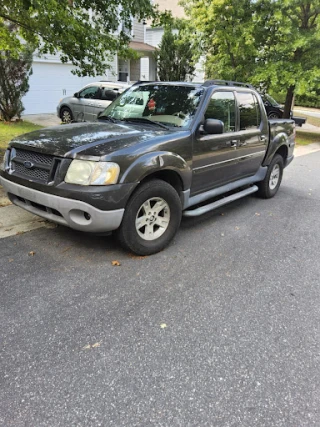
31 156
35 173
31 165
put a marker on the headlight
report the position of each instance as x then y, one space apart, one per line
86 172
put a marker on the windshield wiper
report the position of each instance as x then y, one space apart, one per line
144 120
111 119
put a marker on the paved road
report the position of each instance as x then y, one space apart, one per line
82 342
313 113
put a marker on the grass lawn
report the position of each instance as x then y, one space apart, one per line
305 138
12 129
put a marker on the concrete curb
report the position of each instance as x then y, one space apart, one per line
14 220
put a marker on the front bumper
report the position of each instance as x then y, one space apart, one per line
72 213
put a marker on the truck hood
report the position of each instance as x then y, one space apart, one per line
91 139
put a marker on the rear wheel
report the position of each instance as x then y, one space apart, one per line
66 115
271 183
151 219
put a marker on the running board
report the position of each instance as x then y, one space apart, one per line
204 209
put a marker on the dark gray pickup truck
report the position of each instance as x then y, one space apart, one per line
159 151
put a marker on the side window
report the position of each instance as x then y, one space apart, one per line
250 114
89 92
108 94
222 107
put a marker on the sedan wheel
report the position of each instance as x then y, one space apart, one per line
273 116
66 115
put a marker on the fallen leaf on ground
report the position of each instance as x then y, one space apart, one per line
31 253
257 214
237 228
66 249
10 259
163 325
97 344
89 346
117 263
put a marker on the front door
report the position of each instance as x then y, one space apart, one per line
83 106
215 157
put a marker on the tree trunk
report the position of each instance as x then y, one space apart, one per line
288 103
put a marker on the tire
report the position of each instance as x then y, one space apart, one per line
273 116
66 115
151 219
271 183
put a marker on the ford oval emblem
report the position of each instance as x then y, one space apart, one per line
28 164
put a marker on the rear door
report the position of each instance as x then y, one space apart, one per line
253 134
215 157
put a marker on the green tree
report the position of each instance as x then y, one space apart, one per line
83 32
175 56
14 76
225 28
273 44
289 31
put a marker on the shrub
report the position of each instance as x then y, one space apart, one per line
14 76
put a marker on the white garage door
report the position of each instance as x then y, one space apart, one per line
49 83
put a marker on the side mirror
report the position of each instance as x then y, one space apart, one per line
99 114
213 126
76 95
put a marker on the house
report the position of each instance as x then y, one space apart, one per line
51 80
154 35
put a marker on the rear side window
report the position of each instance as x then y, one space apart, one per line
250 114
109 94
222 107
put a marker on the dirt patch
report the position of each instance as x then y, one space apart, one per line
4 201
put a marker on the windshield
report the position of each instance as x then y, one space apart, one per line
167 104
272 101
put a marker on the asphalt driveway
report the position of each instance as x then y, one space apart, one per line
220 329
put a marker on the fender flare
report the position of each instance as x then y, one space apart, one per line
158 161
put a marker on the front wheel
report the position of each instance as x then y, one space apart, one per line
274 116
271 183
151 219
66 115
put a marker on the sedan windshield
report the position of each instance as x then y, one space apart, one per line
166 104
272 101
